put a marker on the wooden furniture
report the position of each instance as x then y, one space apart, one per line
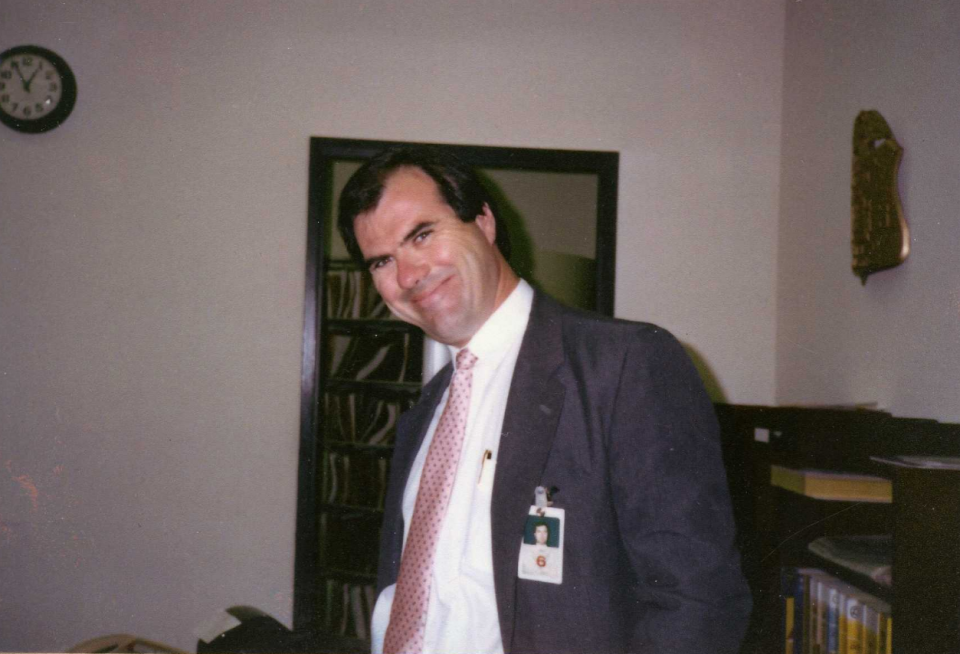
369 368
926 560
775 525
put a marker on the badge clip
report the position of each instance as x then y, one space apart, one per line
541 499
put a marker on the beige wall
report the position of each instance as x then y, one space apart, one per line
895 341
152 248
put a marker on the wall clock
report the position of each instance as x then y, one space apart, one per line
37 89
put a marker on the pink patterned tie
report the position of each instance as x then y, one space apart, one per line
408 617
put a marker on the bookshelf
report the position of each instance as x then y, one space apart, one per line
370 372
775 525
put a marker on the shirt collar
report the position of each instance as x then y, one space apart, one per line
503 328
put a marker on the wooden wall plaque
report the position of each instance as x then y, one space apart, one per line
881 238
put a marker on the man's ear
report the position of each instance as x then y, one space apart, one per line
487 223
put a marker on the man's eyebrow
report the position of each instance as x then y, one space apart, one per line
372 260
417 229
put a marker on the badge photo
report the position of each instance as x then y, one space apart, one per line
541 549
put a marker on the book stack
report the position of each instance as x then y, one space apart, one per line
824 615
828 485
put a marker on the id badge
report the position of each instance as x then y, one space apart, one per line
541 550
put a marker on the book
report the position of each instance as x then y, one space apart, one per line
811 611
835 602
831 616
886 633
818 614
927 462
799 592
850 617
870 555
788 584
805 623
871 629
877 622
792 587
828 485
851 625
788 608
877 629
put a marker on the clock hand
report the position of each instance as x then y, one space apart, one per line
27 83
16 67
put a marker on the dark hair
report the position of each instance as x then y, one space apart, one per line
457 182
541 523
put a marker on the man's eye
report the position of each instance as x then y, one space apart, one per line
419 238
379 263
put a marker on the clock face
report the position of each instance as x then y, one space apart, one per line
37 89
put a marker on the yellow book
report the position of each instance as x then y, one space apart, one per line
827 485
851 626
877 626
788 622
860 623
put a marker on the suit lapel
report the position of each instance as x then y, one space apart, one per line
529 425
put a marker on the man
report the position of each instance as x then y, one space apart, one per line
538 558
609 416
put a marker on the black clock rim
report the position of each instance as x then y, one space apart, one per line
68 95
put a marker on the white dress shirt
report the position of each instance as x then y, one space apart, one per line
462 609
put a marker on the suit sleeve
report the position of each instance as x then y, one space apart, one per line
673 505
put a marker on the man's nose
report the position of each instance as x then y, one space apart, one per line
410 271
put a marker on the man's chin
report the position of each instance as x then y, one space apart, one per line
447 335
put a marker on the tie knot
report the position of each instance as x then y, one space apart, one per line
465 359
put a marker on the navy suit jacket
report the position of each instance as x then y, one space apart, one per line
612 415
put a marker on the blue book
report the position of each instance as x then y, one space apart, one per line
798 612
834 607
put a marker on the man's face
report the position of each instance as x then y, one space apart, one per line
540 533
432 269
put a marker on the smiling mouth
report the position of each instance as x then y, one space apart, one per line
423 298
